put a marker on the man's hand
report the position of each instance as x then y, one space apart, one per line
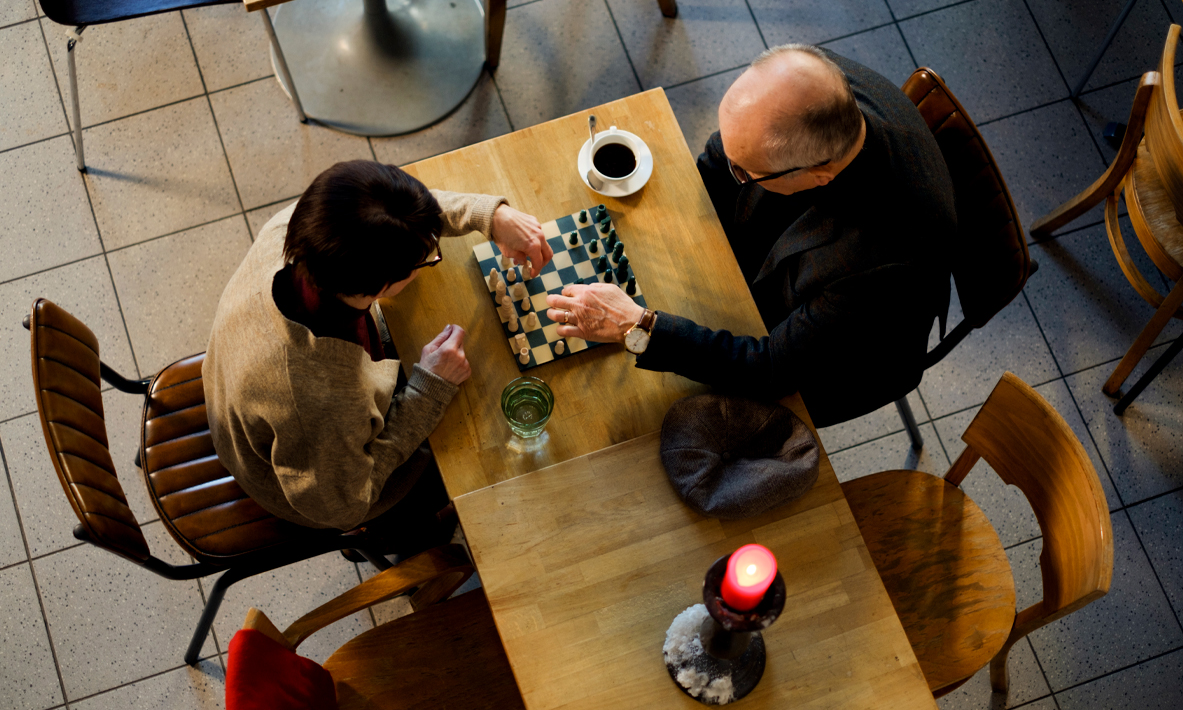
598 312
519 236
444 356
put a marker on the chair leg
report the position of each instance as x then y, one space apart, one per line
1170 306
376 559
1104 45
905 411
77 109
494 30
282 64
1162 361
216 594
999 676
669 8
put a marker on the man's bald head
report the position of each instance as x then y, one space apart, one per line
794 106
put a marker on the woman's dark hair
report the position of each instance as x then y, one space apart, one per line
360 226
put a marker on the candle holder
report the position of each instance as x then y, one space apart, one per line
732 657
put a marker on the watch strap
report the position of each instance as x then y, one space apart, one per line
648 318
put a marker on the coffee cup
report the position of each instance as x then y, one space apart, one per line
613 157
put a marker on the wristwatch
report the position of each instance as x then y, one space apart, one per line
636 338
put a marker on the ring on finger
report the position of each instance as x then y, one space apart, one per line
566 317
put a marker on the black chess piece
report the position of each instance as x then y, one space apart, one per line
594 246
611 239
618 251
622 274
608 277
631 289
603 263
574 239
582 216
622 261
604 227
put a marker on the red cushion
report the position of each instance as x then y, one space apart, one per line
263 675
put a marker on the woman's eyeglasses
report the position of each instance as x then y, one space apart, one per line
431 260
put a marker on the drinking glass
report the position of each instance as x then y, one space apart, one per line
527 403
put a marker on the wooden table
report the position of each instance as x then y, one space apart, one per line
677 249
586 564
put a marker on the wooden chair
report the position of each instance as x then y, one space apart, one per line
1149 168
990 262
943 564
199 502
444 655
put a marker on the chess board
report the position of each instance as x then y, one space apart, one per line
572 263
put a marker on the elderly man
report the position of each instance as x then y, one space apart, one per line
839 209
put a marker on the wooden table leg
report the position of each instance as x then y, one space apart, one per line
669 8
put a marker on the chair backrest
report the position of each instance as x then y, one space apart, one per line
1031 447
66 382
990 262
1164 126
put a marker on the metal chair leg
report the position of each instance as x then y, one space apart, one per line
376 559
905 411
282 64
1125 12
1162 361
75 37
216 594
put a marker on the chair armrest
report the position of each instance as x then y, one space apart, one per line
437 572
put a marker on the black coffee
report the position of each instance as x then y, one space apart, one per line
614 160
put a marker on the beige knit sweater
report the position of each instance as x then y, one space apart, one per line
307 425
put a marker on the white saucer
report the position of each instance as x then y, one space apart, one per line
624 187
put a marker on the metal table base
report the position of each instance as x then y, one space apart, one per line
381 67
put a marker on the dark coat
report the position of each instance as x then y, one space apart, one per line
848 277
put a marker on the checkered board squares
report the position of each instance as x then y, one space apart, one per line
572 263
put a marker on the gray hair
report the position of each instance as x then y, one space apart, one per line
822 132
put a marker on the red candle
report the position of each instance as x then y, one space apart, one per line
750 571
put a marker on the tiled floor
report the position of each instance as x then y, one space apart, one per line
192 146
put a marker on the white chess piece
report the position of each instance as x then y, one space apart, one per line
520 339
519 292
507 302
506 262
527 271
494 277
560 347
531 320
526 304
500 289
513 322
511 275
524 356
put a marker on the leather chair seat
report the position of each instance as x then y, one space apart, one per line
198 500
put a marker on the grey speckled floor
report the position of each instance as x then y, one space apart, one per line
192 146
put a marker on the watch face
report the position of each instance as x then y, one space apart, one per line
636 340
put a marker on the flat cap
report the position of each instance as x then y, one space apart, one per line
731 458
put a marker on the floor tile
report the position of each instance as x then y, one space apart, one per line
16 11
1131 623
114 622
1111 104
1006 506
200 688
158 172
82 288
1088 311
45 511
707 36
1026 682
784 21
28 681
1153 685
544 76
169 288
231 44
45 218
1075 29
1140 448
1010 341
879 423
1046 157
880 49
272 154
906 8
891 453
259 217
1159 523
990 54
696 106
30 108
288 593
12 544
124 413
479 118
125 67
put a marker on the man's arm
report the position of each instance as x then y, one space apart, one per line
720 185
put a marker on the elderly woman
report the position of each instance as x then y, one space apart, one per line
301 392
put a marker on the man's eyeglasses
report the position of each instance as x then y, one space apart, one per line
431 260
742 176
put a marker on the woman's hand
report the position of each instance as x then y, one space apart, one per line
519 236
444 356
598 312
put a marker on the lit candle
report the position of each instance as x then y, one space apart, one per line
750 571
